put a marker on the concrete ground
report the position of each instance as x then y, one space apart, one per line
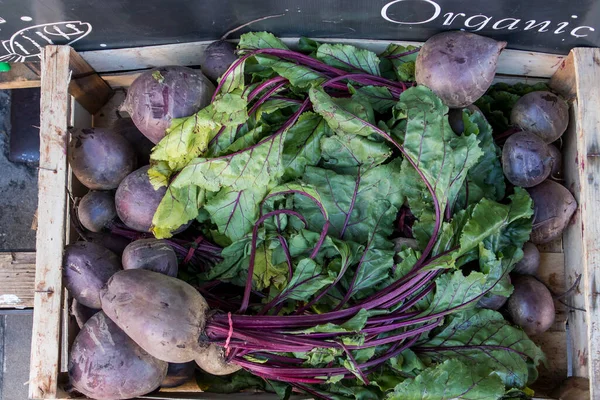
18 202
15 345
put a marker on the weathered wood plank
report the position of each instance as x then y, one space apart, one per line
91 91
511 62
17 278
20 76
52 198
552 273
578 79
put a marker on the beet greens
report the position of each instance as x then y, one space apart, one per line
300 168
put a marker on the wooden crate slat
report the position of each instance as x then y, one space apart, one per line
17 278
91 91
579 80
52 198
511 62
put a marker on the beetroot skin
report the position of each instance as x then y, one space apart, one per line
458 66
104 363
137 201
161 94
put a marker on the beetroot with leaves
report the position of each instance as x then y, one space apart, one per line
161 94
100 159
458 66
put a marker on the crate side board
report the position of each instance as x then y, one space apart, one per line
578 80
511 62
52 198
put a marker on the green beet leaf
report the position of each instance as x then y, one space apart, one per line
403 64
235 212
308 278
380 98
349 58
298 75
301 147
485 179
260 40
189 137
482 339
353 203
254 166
178 207
450 380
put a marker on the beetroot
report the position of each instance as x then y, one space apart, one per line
86 268
100 159
114 243
104 363
526 159
530 262
178 374
151 254
542 113
531 305
164 315
458 66
556 162
553 208
161 94
136 200
492 301
96 210
455 118
211 359
217 58
140 143
81 313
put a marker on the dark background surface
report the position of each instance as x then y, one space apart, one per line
129 23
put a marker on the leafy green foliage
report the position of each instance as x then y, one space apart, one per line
450 380
483 339
403 65
311 203
235 212
349 58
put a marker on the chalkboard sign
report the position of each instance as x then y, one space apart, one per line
553 26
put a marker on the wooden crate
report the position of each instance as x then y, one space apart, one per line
64 72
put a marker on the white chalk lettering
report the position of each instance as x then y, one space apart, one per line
450 17
480 25
574 31
561 28
436 12
531 24
512 26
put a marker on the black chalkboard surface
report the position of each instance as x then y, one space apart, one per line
553 26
